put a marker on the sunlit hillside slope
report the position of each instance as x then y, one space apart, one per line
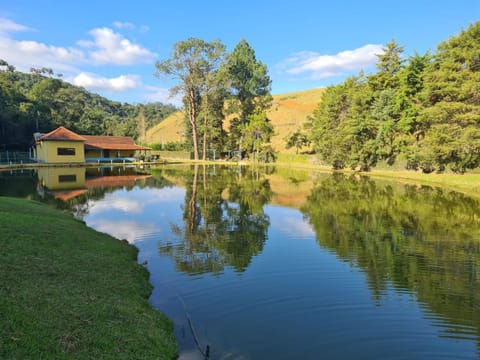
288 113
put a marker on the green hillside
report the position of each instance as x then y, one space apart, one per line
40 102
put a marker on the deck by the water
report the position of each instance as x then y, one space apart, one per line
122 160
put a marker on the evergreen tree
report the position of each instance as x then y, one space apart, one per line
250 88
257 132
451 114
297 139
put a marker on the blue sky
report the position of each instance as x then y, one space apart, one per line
110 47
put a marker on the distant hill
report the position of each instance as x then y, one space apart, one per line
288 113
171 129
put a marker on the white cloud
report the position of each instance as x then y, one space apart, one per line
7 25
123 25
323 66
117 84
109 47
158 94
26 54
128 25
105 46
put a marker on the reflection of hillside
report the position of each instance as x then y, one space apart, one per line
291 187
424 241
288 192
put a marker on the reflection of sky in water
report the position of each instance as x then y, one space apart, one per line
124 229
122 203
291 222
135 214
298 293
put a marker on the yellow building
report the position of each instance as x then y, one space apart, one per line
60 146
64 146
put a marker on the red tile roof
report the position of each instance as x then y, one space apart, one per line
94 142
112 143
100 182
62 133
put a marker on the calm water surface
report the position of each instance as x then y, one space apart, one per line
291 265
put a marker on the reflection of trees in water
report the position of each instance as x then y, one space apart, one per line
17 183
422 239
224 221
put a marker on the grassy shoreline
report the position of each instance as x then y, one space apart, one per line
67 291
468 183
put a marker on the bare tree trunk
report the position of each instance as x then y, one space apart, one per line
192 209
193 122
205 122
141 126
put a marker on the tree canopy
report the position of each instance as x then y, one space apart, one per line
424 110
40 101
194 63
214 85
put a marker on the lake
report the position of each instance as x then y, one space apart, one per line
288 264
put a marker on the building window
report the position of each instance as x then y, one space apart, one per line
67 178
66 151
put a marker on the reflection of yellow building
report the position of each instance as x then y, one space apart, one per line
62 178
64 146
62 182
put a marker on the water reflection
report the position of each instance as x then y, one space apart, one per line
224 223
309 261
421 240
416 240
74 188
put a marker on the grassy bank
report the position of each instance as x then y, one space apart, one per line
468 183
67 291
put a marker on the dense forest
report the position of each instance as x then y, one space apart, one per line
423 111
40 101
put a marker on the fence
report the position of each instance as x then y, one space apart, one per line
15 157
172 155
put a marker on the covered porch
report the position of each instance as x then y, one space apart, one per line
113 149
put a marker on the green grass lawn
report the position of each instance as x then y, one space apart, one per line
67 291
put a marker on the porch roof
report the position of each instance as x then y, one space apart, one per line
93 142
